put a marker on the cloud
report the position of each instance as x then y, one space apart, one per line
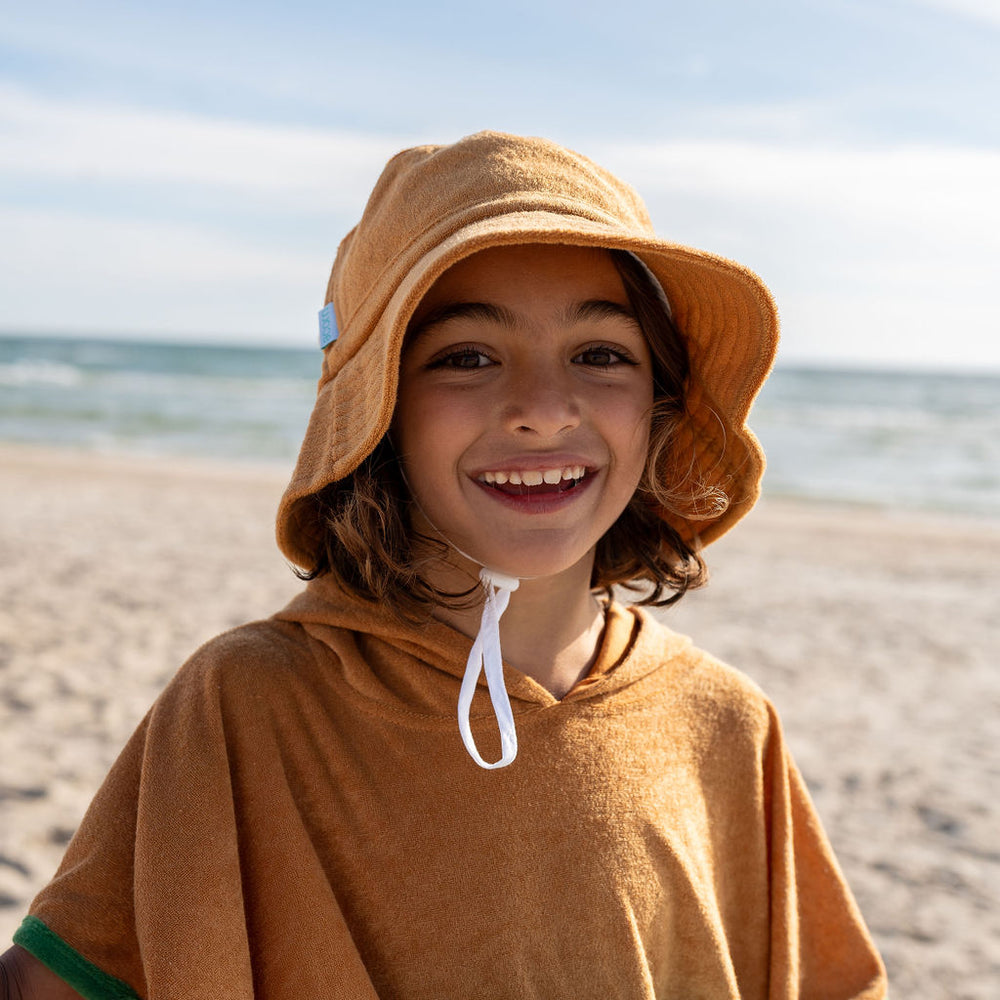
884 255
878 254
906 186
286 168
63 140
981 10
66 271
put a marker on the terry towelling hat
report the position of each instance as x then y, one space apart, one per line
434 205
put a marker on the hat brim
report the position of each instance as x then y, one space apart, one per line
724 311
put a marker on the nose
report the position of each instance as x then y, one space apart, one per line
541 402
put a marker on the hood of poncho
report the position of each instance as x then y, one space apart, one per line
418 666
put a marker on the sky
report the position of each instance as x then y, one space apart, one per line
186 171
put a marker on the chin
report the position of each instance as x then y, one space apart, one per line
535 563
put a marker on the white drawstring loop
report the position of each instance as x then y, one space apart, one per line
486 653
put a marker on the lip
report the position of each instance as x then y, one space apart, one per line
539 503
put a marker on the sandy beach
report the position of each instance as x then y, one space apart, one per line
876 634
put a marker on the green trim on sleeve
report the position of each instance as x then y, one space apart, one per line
69 965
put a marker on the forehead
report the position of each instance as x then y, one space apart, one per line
526 277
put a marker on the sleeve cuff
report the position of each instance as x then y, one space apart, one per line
52 951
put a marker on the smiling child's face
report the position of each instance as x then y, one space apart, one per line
523 414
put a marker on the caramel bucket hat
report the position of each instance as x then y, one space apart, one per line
434 205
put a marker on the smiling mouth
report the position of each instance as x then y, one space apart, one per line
534 482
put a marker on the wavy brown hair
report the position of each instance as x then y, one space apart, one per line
369 549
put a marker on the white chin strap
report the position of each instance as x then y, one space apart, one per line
486 653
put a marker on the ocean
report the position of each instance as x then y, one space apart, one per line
917 441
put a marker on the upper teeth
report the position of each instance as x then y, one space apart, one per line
534 477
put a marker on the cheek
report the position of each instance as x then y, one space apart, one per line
431 431
631 429
636 462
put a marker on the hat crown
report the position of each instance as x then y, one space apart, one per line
426 193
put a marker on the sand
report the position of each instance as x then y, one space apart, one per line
877 635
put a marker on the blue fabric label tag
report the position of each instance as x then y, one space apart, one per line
328 331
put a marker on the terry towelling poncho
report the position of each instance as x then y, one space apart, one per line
297 817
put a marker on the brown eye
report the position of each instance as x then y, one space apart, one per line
597 356
464 359
602 357
469 359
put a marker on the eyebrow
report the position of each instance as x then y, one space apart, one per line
598 309
579 312
464 310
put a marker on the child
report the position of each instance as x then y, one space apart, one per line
526 398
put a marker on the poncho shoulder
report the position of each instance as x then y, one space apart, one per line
296 816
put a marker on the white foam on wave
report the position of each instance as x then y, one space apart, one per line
39 372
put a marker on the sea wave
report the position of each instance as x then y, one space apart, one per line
921 440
